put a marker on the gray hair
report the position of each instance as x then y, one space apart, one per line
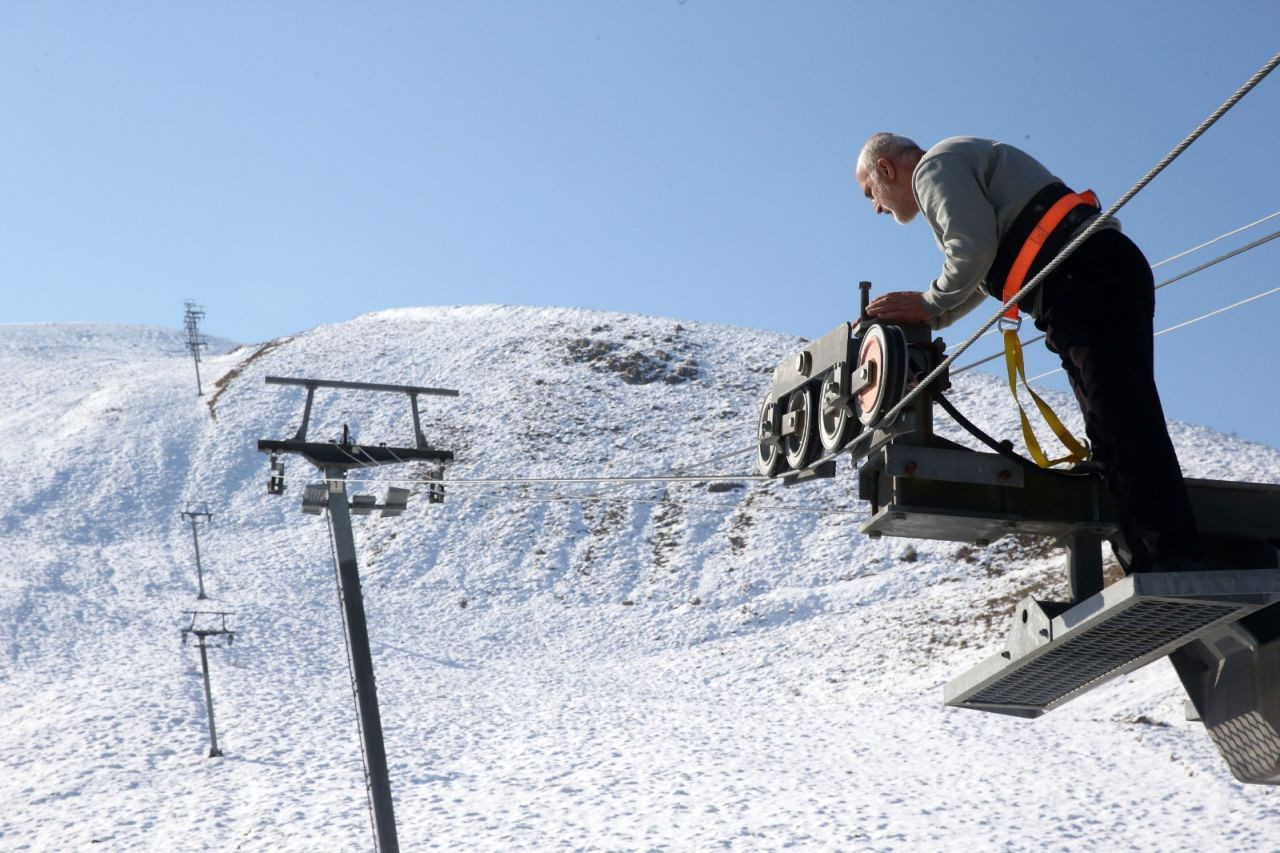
889 146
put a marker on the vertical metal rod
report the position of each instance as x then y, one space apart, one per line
214 752
199 390
420 441
195 538
344 546
301 434
1084 565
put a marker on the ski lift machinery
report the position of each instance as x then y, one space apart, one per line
1220 628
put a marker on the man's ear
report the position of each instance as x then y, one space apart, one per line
886 168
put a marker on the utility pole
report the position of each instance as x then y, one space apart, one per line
202 633
334 459
195 343
196 513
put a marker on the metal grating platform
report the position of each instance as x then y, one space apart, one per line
1049 660
1251 746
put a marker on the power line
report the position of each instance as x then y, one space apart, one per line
560 481
1168 281
667 502
1208 243
1186 274
668 475
1185 323
619 498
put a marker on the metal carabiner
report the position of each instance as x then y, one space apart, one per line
1009 324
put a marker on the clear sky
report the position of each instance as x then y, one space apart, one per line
288 164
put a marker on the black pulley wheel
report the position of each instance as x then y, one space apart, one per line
837 423
768 440
800 445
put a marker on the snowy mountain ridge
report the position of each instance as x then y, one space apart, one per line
629 666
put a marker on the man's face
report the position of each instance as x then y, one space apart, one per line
889 190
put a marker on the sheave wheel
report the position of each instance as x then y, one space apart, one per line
799 445
836 421
768 442
884 354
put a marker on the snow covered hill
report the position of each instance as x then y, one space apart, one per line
683 666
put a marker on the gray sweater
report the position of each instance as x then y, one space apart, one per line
970 191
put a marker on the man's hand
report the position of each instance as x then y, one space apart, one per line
903 306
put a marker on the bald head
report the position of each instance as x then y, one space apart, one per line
887 146
884 172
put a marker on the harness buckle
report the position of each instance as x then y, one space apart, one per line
1009 324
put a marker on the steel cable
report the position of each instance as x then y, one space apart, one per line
1177 278
1184 324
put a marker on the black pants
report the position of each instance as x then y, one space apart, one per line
1097 313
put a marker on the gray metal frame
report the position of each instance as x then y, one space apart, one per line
1053 655
1221 628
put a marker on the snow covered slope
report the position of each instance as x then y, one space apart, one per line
600 667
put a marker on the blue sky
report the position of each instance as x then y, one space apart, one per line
290 164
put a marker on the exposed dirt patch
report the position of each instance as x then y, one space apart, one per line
227 378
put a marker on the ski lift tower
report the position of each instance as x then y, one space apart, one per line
334 459
209 626
1219 627
195 341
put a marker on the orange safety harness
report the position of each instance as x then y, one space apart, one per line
1010 321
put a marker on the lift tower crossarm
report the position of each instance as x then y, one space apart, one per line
413 391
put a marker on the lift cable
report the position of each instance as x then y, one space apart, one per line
1179 277
560 481
666 474
1093 227
1185 323
669 475
810 510
618 498
1220 237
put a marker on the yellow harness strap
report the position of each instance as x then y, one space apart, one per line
1077 451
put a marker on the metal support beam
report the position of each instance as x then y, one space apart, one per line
201 628
344 555
214 752
195 541
195 515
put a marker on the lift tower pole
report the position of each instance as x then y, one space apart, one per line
195 513
195 342
202 633
334 459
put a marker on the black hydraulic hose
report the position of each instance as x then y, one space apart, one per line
1003 448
